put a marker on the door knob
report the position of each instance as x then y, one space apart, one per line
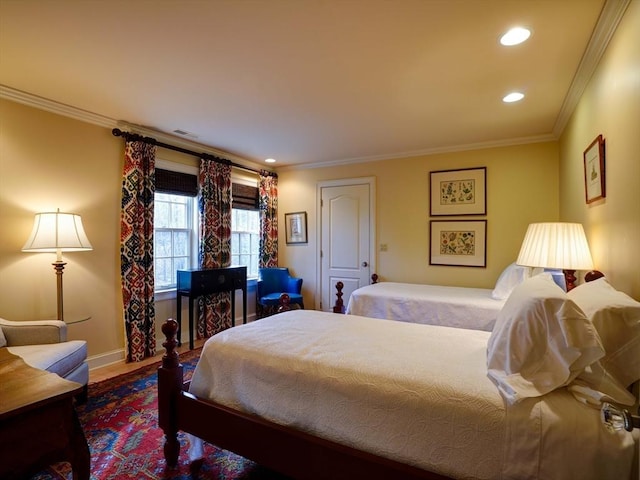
365 264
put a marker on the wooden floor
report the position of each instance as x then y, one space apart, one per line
115 369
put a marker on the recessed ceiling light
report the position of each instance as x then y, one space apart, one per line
515 36
270 160
513 97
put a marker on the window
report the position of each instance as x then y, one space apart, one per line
175 223
174 237
245 239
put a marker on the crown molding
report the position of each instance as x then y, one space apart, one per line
42 103
421 153
610 16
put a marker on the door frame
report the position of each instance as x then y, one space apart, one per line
373 253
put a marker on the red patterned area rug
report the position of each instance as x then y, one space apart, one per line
120 421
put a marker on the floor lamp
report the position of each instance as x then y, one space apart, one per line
556 246
57 232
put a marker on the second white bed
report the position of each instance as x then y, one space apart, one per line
460 307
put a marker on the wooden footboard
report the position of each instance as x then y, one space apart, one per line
282 449
339 307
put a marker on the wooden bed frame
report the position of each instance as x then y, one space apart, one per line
283 449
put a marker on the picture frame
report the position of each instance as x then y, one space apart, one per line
594 171
461 243
295 227
458 192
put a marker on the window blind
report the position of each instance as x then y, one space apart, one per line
244 196
176 183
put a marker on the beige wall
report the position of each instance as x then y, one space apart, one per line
47 162
609 106
522 187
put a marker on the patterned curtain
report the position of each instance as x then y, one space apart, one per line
214 203
268 204
136 249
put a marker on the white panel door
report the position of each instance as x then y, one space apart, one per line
345 245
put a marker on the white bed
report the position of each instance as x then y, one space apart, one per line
416 399
460 307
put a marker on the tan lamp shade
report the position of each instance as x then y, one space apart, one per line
57 232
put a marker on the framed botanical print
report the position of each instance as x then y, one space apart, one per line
458 192
458 243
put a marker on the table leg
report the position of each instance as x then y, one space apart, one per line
179 316
190 323
80 455
233 308
244 303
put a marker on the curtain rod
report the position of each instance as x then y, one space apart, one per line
134 137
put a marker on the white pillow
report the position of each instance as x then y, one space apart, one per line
541 341
510 277
616 317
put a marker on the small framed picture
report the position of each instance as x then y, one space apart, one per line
594 179
458 243
296 227
458 192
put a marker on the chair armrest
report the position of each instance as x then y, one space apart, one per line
259 288
294 285
33 332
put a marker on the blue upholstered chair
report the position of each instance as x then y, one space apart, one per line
274 281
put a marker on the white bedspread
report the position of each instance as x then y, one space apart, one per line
458 307
415 393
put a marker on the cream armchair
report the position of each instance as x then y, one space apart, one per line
43 344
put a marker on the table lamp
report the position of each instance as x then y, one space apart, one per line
57 232
556 246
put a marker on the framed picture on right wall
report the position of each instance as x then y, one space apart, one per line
594 178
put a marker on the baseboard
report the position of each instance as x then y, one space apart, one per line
115 356
104 359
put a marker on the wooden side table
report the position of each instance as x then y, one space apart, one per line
39 425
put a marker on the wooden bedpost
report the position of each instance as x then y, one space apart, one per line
339 306
284 303
374 278
593 275
169 386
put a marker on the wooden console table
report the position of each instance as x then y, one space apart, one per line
196 283
39 425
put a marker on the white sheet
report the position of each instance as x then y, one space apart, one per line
459 307
416 393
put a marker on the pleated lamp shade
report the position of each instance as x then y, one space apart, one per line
555 246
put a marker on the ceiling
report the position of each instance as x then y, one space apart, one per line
308 82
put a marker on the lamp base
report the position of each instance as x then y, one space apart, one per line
58 266
570 279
